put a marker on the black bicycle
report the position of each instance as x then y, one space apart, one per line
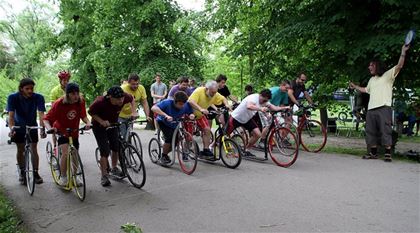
130 160
29 158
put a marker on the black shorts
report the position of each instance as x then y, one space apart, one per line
167 131
65 140
233 124
19 136
107 140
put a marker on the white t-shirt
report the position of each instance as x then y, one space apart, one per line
242 114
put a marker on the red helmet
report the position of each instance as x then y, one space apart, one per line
64 75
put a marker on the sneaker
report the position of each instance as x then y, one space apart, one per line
206 153
105 181
165 159
63 181
116 172
261 145
370 156
387 158
249 154
22 178
184 156
79 182
38 178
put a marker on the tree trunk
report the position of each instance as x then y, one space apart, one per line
324 116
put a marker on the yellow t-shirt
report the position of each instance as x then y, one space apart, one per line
380 89
56 93
139 95
204 101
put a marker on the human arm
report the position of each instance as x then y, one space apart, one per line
401 60
292 98
308 97
156 109
361 89
195 106
273 107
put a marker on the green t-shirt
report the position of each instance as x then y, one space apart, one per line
278 97
56 93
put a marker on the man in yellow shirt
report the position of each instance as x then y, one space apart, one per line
379 115
138 92
59 90
201 99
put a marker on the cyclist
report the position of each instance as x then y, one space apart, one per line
59 90
65 113
137 91
168 112
279 97
297 87
181 86
201 99
22 107
244 113
104 111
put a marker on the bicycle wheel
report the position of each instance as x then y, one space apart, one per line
55 168
29 171
243 133
133 166
98 157
283 147
313 136
77 174
230 153
154 150
134 140
187 152
49 150
240 141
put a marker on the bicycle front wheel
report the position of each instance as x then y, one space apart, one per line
134 140
29 171
230 153
186 150
283 147
49 150
154 150
313 136
133 166
77 174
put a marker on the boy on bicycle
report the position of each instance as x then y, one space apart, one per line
22 107
104 111
65 113
169 111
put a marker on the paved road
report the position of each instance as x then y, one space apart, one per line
319 193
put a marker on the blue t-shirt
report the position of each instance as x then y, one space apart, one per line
278 97
25 109
168 107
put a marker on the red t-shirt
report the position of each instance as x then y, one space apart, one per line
64 116
103 108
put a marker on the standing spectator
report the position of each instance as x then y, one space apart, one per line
159 92
181 86
248 90
191 84
379 115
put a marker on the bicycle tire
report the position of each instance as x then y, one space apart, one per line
98 157
243 133
55 169
29 171
187 152
77 173
134 140
133 166
342 116
154 150
282 146
313 136
239 140
230 153
49 151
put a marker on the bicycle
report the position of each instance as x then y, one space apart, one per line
281 143
311 133
75 171
224 147
130 160
132 137
29 158
183 147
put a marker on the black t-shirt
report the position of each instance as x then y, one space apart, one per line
224 91
297 89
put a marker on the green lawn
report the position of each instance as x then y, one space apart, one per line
9 219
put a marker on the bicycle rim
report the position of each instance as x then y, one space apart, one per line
240 141
187 153
154 150
313 136
136 142
283 147
98 157
134 166
78 174
29 171
49 150
55 169
230 153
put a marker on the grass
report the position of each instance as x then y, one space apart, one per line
9 219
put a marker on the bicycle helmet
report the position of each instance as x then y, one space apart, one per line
115 91
64 75
72 87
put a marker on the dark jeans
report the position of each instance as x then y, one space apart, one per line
379 126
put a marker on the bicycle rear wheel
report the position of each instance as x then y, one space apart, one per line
243 133
154 150
77 174
187 152
133 166
230 153
29 171
283 147
313 136
49 150
134 140
240 141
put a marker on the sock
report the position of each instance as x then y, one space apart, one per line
388 151
373 150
